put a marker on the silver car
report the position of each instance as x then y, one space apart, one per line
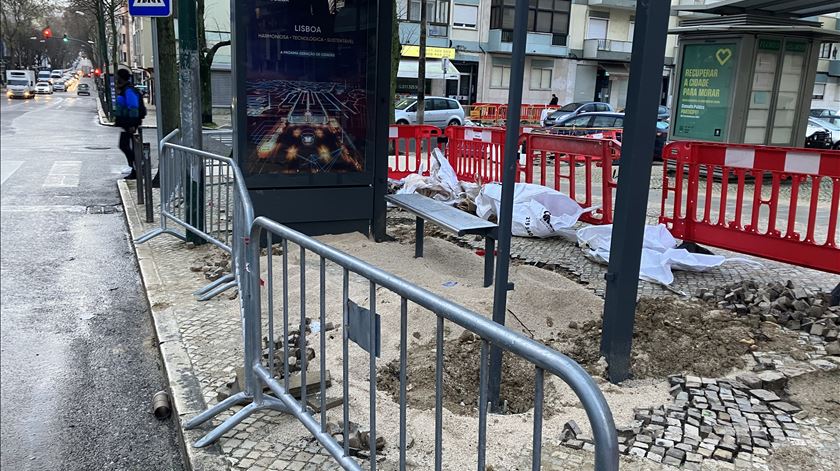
440 112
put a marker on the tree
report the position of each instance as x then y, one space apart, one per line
18 19
205 61
168 91
421 65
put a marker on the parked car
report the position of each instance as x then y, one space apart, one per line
439 111
663 113
832 127
573 109
590 123
824 114
43 88
83 89
59 86
817 137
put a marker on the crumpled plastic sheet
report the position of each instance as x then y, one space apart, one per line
442 184
538 211
659 253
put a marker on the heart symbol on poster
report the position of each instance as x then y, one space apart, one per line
723 55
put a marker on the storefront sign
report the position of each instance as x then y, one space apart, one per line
705 91
306 85
431 52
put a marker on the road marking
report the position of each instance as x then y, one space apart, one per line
64 173
58 208
7 168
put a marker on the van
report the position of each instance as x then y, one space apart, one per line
20 83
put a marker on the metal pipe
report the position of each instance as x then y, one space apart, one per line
510 160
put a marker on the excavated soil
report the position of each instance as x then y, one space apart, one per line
460 378
673 337
817 393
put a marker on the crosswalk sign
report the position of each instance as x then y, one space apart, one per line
150 7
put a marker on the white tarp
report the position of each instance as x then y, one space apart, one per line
659 253
538 211
442 184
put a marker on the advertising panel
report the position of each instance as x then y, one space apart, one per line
307 83
705 91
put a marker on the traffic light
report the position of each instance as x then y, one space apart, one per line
97 72
47 32
65 38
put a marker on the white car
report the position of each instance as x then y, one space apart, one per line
832 128
43 88
440 112
59 86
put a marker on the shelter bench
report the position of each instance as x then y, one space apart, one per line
452 219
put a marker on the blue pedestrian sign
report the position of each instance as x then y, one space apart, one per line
150 7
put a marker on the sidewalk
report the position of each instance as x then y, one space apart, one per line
221 117
201 349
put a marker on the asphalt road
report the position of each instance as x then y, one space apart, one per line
78 357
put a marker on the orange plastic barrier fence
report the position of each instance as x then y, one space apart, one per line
476 153
779 203
410 147
580 167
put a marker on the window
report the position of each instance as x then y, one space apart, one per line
825 51
544 16
500 76
597 28
437 12
464 16
602 107
603 122
587 108
540 78
124 56
453 105
122 38
578 122
819 91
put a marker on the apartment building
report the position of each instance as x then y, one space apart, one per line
827 83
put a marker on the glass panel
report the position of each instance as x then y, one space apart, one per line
414 10
507 18
758 112
465 15
535 79
580 121
496 77
506 77
543 22
546 79
786 99
603 122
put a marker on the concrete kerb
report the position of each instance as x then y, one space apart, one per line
185 390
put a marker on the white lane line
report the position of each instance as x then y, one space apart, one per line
58 208
7 168
64 173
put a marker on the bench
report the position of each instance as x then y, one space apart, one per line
451 219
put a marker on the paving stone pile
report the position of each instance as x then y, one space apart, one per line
709 419
794 307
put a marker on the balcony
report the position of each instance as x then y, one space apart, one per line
617 4
834 68
607 49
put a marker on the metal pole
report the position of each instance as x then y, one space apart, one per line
511 158
156 57
188 75
104 46
646 63
383 101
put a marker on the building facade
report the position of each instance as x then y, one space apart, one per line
827 83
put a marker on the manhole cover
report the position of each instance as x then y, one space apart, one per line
103 209
97 147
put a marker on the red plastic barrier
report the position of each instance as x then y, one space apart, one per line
476 153
577 166
410 147
710 201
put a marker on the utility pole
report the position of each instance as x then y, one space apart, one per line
191 113
100 17
421 65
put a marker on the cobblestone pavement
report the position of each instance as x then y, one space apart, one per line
210 333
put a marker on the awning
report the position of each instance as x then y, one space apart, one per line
615 69
789 8
434 69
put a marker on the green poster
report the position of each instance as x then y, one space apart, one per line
705 91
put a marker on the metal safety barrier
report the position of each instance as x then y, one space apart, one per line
581 168
476 153
410 149
259 306
779 203
199 193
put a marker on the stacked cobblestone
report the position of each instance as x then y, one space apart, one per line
709 419
786 304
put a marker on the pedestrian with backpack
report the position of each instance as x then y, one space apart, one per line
129 111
